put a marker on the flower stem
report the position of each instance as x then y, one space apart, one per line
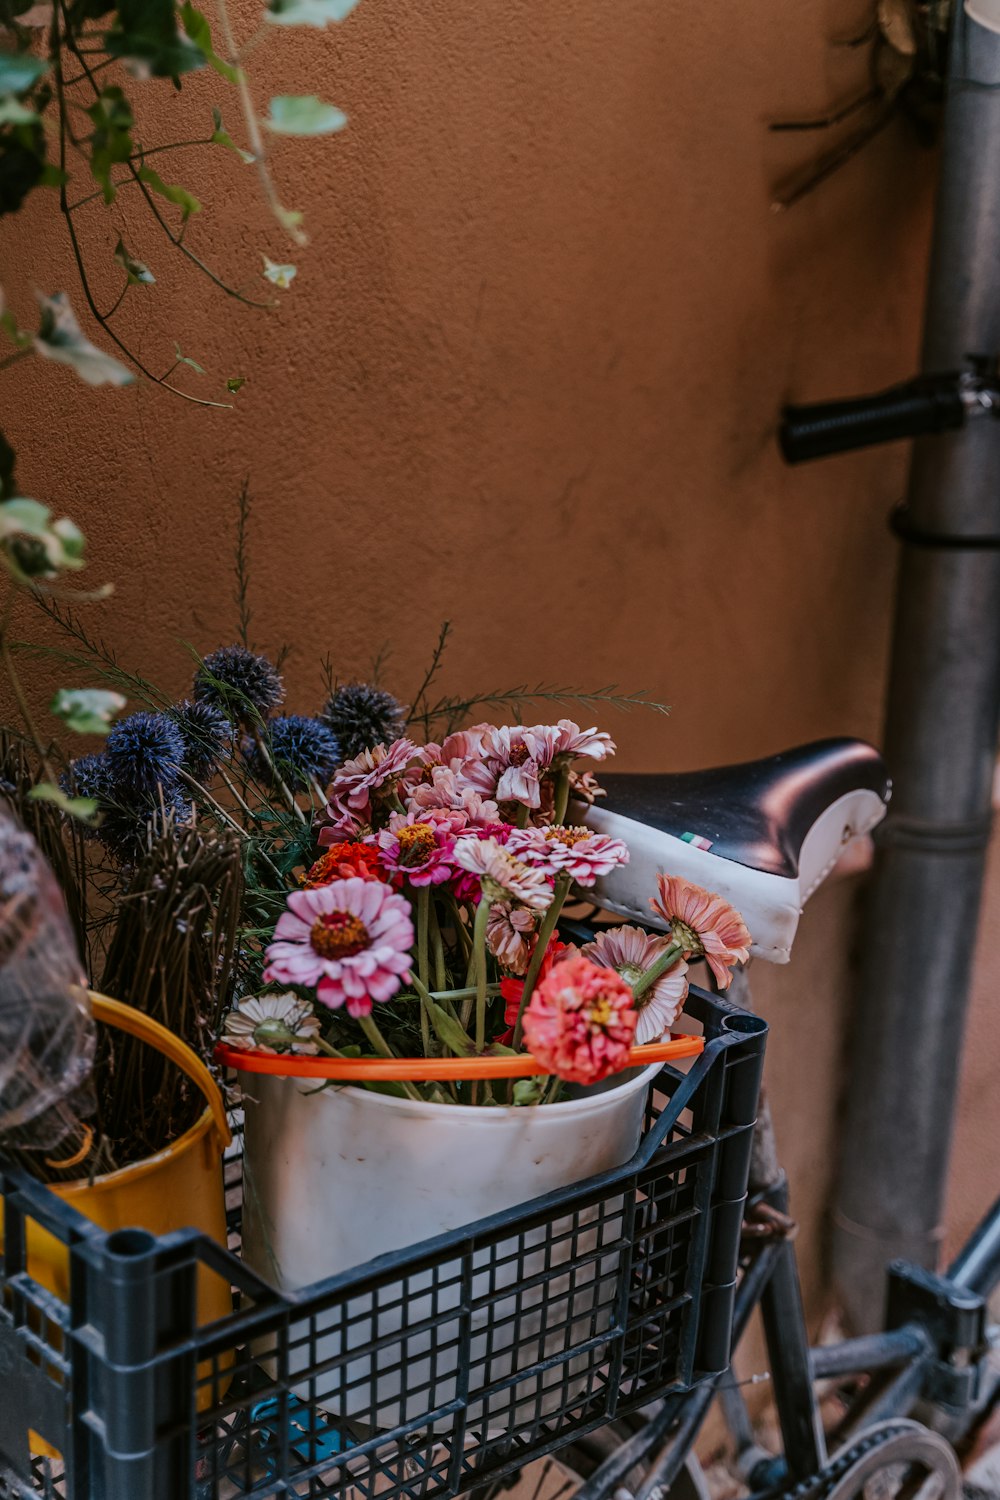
666 960
423 913
426 1001
545 931
437 943
562 795
522 815
370 1028
479 956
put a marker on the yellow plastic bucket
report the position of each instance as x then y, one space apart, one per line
180 1187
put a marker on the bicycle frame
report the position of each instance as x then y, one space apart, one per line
931 1348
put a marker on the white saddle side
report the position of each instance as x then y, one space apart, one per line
769 904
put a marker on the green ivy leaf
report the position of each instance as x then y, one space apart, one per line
84 809
304 114
309 12
13 112
171 191
22 163
182 359
138 274
200 32
147 36
221 137
35 546
19 71
235 383
111 138
87 710
60 337
52 176
282 276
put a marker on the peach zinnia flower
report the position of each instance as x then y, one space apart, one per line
704 925
630 952
580 1021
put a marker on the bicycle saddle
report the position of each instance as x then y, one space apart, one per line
764 834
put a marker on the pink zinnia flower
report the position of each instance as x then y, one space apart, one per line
359 781
630 952
449 790
503 878
351 939
417 849
580 1021
581 852
572 741
510 763
704 925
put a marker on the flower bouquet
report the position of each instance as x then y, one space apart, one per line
421 958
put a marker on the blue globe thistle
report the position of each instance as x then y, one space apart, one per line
127 817
130 822
144 752
362 716
303 750
207 736
90 776
245 686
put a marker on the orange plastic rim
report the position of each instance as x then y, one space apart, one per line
428 1069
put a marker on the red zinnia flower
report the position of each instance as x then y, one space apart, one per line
341 861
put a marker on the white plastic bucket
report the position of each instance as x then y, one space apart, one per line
336 1177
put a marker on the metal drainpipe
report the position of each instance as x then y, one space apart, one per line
940 743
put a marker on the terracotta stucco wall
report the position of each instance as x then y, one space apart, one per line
527 378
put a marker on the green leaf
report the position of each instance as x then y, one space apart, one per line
304 114
451 1032
60 337
111 138
9 325
529 1090
52 176
19 71
34 545
497 1049
200 32
290 219
13 112
282 276
221 137
309 12
138 274
82 808
87 710
147 36
171 191
182 359
235 383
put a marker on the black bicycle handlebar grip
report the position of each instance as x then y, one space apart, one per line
905 411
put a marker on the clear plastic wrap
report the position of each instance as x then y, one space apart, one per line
47 1034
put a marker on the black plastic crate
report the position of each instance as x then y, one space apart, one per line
417 1375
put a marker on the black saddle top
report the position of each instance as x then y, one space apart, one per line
757 813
